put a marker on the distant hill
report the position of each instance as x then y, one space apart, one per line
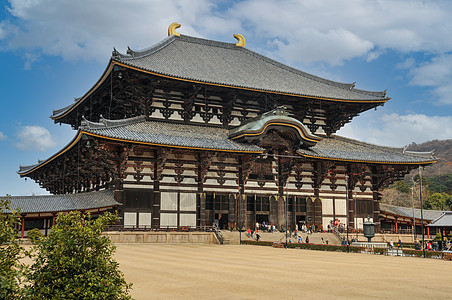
442 151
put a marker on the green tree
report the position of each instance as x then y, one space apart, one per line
75 261
11 270
437 201
402 187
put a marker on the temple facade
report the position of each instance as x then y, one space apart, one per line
193 132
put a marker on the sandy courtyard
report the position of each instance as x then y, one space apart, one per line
253 272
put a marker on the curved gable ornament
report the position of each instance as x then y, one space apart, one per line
172 29
240 40
278 120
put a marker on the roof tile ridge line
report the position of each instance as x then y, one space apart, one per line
346 86
395 149
60 110
146 51
382 93
107 123
207 42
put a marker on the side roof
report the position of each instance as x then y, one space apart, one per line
344 149
64 202
429 215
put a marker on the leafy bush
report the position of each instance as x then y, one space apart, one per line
11 270
380 251
75 261
321 247
34 235
419 253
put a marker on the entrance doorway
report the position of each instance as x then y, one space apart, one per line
300 221
261 219
221 220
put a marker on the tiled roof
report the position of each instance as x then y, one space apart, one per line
429 215
167 134
64 202
208 61
445 220
344 149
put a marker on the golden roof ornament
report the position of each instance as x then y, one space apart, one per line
240 39
172 29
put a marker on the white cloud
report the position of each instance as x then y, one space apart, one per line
398 130
436 74
34 138
2 136
303 31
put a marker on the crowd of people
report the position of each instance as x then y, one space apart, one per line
291 234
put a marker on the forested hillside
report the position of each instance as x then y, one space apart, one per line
437 180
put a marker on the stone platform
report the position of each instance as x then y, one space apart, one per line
171 237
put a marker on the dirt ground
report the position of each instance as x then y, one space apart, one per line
256 272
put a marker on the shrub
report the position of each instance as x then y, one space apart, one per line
75 261
321 247
11 270
34 235
380 251
419 253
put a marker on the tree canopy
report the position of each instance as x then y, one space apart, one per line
75 261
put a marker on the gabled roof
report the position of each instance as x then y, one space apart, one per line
344 149
195 59
64 202
277 118
444 220
428 214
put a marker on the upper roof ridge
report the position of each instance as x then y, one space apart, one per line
106 123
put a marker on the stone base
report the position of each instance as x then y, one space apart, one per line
163 237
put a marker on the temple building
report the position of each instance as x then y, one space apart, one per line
193 132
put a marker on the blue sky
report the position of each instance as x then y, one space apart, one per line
54 50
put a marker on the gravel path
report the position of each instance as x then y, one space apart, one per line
253 272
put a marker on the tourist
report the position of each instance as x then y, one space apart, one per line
300 239
391 244
417 246
399 244
307 239
249 232
257 237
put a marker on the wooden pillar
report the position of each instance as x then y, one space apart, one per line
231 211
53 219
23 227
201 211
428 232
396 226
280 198
241 215
375 200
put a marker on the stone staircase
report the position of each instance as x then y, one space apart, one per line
233 237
